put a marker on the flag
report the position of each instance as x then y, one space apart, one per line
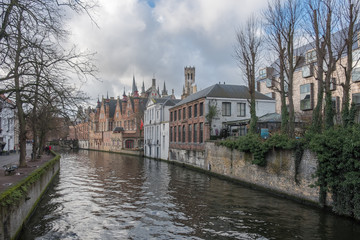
141 124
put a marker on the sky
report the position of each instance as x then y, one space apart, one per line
147 38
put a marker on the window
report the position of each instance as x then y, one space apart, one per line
171 133
174 134
195 110
355 75
242 131
201 131
183 133
307 71
171 116
195 133
201 109
332 84
262 73
179 130
356 98
335 102
189 133
270 95
306 102
184 113
179 114
189 115
269 83
157 114
175 112
226 109
241 109
310 56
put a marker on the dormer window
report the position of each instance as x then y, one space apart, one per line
310 56
262 73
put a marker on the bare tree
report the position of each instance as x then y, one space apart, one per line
320 14
350 16
247 54
282 21
34 28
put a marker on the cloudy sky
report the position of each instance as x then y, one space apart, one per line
159 38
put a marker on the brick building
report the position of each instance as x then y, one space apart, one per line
305 85
189 128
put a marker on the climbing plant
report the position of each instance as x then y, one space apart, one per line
258 147
338 153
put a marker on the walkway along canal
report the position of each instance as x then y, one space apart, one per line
111 196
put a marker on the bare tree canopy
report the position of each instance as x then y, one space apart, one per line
36 68
247 54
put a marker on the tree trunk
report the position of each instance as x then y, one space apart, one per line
20 111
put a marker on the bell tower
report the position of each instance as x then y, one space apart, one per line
189 87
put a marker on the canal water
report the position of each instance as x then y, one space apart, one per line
111 196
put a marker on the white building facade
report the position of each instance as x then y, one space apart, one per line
236 109
156 127
8 125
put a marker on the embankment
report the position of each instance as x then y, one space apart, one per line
282 174
18 202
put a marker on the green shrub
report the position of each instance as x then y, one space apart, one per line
338 153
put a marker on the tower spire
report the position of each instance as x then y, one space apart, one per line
143 88
134 88
164 91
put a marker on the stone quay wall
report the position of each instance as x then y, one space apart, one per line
18 203
278 176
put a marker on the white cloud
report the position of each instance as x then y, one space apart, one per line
134 38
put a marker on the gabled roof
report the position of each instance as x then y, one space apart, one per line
166 101
112 107
224 91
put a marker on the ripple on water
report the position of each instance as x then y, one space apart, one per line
111 196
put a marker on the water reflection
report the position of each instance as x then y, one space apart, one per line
110 196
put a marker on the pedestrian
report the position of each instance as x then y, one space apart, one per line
49 148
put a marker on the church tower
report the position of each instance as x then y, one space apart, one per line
190 86
164 92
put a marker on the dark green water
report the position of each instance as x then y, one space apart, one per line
112 196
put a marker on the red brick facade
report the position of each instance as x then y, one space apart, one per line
188 129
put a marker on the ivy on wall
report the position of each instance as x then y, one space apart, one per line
338 153
253 143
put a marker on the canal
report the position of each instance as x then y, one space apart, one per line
110 196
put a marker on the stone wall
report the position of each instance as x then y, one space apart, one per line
191 157
18 202
278 176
